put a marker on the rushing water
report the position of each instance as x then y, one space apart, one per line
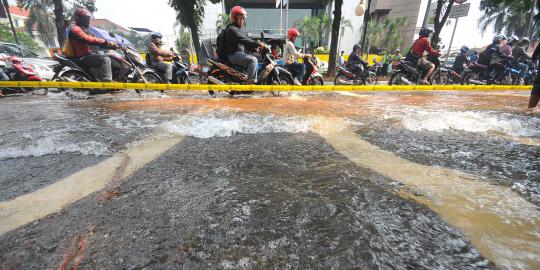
336 180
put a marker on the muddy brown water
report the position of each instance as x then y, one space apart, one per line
328 180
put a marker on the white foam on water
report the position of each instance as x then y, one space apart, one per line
220 124
54 145
469 121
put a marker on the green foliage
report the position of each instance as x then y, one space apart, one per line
222 22
184 41
309 27
24 38
139 41
392 37
511 17
40 15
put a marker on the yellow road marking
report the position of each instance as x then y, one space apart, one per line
500 223
53 198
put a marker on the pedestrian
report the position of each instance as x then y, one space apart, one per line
341 59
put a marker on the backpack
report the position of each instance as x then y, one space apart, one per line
221 49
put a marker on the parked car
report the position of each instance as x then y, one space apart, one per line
42 65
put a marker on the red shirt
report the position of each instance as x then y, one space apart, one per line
421 45
81 41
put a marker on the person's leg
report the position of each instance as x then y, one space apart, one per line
165 68
523 69
3 76
248 61
100 66
122 68
429 72
535 93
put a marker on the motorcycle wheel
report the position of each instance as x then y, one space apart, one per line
71 75
396 78
371 80
342 80
441 77
317 81
150 78
193 79
516 80
470 77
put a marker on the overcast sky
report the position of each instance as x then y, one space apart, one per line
157 15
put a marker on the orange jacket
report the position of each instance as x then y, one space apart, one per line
157 54
81 41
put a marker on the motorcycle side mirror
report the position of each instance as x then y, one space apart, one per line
262 35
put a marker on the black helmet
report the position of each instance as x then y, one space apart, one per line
356 46
498 38
426 31
464 49
82 17
156 35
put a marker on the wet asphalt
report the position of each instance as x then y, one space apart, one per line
265 201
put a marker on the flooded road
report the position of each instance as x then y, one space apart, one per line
323 180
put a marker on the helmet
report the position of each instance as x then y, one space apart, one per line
498 38
156 35
464 49
426 31
525 40
356 46
513 39
398 50
293 33
237 11
82 17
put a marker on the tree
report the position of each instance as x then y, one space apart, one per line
309 27
60 12
40 16
222 22
513 17
345 23
184 41
190 13
373 34
336 24
24 38
325 23
441 16
392 33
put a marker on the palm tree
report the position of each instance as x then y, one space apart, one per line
393 37
222 22
309 27
513 17
325 27
41 17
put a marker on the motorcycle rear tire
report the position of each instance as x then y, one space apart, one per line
340 78
395 79
471 75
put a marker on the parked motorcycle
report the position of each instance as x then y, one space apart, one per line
16 70
182 73
345 76
312 71
268 73
408 73
71 69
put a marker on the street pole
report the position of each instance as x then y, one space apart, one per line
367 17
451 41
287 16
281 19
5 6
428 12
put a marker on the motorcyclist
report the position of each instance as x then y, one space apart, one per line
497 58
461 59
355 63
3 75
420 46
237 42
507 49
535 93
520 53
79 43
290 54
159 56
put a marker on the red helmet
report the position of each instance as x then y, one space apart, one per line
292 33
236 11
82 17
16 60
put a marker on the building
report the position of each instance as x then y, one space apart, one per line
391 9
109 26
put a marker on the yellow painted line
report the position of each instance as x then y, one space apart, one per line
213 87
53 198
500 223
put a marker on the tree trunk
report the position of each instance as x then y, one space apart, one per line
336 25
59 22
6 5
440 22
196 42
367 18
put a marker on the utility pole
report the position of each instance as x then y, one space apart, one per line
428 12
5 5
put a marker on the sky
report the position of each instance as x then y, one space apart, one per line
157 15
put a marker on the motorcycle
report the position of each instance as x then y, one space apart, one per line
345 76
479 74
408 74
531 73
268 73
181 73
18 71
312 72
72 69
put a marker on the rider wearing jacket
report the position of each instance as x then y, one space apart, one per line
159 56
80 42
290 54
237 42
355 63
520 53
497 57
420 46
461 59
